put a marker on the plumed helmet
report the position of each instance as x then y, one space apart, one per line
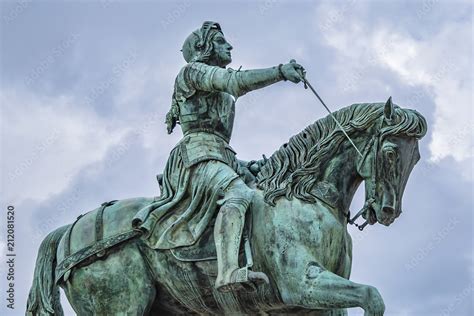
198 46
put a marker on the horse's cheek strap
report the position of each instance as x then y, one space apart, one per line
363 166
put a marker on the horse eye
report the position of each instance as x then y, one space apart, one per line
390 154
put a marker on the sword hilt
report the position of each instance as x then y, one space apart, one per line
302 74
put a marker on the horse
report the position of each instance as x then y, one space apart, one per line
297 230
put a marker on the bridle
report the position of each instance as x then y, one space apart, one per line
371 146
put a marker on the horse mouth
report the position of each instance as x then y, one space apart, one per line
387 216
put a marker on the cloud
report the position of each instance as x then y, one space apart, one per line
63 134
438 64
50 139
92 130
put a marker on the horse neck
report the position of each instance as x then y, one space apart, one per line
341 173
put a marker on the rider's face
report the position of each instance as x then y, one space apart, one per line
222 48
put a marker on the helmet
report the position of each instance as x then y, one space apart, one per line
198 46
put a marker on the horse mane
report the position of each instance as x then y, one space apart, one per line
296 167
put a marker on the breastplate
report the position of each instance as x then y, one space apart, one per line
208 112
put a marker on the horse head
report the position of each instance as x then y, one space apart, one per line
387 161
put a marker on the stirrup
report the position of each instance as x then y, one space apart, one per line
244 279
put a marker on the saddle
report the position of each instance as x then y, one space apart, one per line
97 233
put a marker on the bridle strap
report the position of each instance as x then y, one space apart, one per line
372 145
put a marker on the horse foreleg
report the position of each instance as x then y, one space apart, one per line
321 289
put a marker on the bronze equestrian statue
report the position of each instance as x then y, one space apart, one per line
232 237
203 163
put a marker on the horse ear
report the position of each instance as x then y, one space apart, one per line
388 110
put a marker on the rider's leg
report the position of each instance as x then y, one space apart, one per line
227 235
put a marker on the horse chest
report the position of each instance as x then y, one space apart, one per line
306 230
332 247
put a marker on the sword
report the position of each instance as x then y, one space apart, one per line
306 85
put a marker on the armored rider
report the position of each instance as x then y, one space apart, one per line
202 175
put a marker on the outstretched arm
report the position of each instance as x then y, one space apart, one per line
238 83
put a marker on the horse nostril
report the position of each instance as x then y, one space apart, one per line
388 210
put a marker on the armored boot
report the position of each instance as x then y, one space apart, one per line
227 236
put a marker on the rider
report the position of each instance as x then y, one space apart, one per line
202 172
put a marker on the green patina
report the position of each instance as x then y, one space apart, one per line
183 252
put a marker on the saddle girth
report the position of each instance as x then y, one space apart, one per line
96 250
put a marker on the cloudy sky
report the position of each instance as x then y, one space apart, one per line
85 86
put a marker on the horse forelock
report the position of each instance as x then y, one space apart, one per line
294 168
